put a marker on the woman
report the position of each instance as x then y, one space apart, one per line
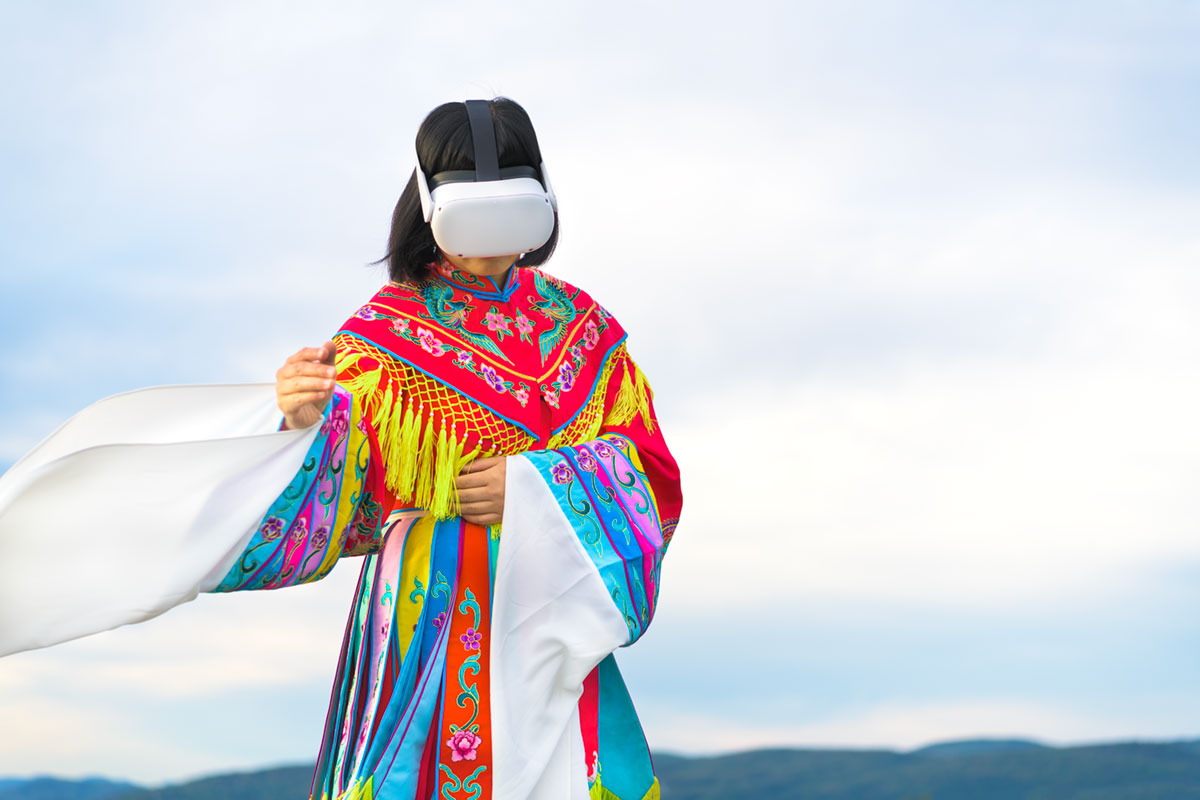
477 429
452 683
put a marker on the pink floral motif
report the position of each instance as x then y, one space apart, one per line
591 334
464 359
471 639
524 324
400 326
604 451
362 425
429 343
491 378
463 745
587 462
366 312
495 321
561 472
566 376
522 396
551 397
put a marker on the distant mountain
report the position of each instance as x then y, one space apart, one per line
970 747
968 770
47 788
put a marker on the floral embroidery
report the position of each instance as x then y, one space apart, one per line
591 334
561 472
366 312
604 451
587 462
522 395
471 639
300 531
439 620
497 323
400 327
566 376
272 528
492 379
524 327
321 536
430 343
551 397
463 358
463 745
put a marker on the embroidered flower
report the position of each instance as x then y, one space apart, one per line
575 353
496 322
471 639
340 425
362 425
271 529
300 531
321 536
429 343
463 744
524 324
366 312
464 359
591 334
522 396
561 472
439 620
587 462
604 451
566 376
551 397
400 327
491 378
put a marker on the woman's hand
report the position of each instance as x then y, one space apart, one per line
304 384
481 491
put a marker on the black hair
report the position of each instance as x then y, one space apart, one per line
444 143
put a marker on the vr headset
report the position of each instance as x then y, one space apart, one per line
487 211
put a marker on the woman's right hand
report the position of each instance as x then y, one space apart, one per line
304 384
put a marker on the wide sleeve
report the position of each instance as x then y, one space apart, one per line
333 507
585 529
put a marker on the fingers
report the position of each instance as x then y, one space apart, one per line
483 519
291 402
480 464
287 386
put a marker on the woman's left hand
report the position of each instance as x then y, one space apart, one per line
481 491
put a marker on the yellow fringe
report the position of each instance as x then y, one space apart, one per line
598 792
633 399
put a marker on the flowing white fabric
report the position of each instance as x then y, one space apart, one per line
552 622
136 504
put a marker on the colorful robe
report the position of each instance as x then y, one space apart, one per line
477 663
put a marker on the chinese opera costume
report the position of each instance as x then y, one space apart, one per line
476 661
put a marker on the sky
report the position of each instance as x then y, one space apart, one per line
916 285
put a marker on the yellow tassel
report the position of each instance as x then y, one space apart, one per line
625 407
426 460
443 476
405 461
644 395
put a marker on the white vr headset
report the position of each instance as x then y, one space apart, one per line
487 211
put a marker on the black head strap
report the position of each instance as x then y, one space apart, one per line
483 136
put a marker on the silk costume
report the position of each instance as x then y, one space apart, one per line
476 663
